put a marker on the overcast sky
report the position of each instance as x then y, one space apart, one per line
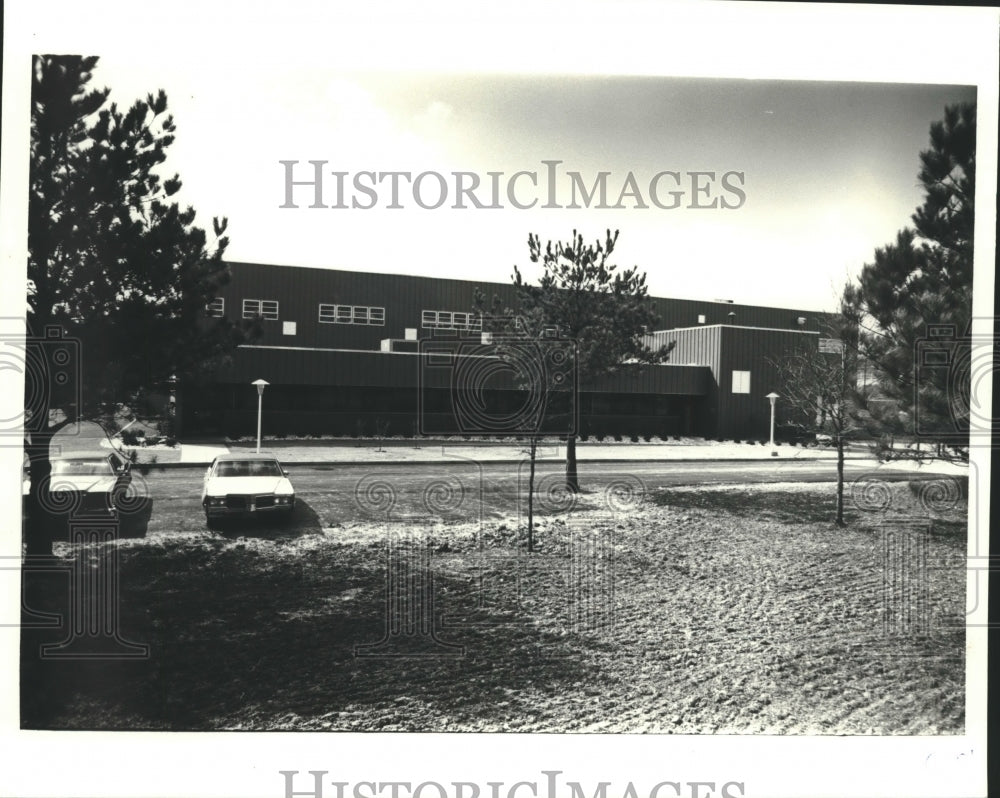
825 172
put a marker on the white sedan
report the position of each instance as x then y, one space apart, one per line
88 482
244 485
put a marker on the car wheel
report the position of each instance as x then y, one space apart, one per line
213 523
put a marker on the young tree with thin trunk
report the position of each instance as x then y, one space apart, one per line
582 297
521 344
820 396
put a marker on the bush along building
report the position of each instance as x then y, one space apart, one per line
350 353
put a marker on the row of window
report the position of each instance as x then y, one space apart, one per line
252 308
351 314
265 308
448 320
363 314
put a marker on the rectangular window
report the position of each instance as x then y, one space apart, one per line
265 308
216 309
351 314
741 382
326 313
288 328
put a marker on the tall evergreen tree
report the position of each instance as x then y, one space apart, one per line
924 278
113 262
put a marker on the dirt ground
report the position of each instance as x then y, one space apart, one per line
723 609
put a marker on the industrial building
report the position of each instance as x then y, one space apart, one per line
358 353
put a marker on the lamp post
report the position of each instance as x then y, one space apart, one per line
772 396
172 406
261 385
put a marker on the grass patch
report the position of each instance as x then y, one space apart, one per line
759 505
942 502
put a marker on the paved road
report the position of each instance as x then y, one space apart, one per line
344 476
340 493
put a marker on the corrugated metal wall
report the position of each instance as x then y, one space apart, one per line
757 351
725 349
401 370
339 392
685 313
299 292
700 368
699 345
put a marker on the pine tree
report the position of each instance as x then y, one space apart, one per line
919 283
114 263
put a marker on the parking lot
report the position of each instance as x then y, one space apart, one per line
167 500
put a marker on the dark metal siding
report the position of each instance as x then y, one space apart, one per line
668 379
685 312
756 351
401 370
299 292
700 367
725 349
345 392
699 345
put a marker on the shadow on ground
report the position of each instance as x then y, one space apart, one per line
906 498
263 632
303 521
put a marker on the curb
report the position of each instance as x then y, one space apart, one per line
444 461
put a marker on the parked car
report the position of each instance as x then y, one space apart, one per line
245 485
89 482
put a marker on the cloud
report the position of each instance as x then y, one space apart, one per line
436 119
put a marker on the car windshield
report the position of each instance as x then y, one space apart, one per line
88 468
248 468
